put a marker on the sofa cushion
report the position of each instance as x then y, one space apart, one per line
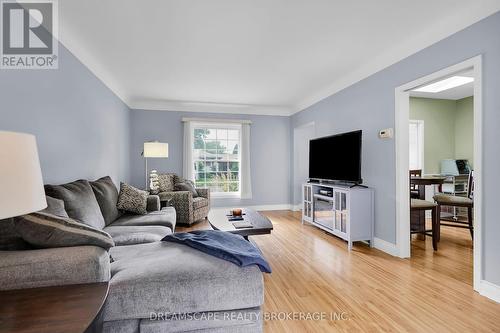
106 195
186 186
165 217
173 278
200 202
52 267
129 235
55 207
132 199
44 230
79 201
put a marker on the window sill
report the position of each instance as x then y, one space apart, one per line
225 195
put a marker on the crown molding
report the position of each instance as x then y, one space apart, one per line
430 36
210 107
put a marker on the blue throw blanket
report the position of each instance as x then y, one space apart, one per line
223 245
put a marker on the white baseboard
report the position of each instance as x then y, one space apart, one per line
273 207
386 246
261 207
296 208
490 290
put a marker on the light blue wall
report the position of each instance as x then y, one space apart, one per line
270 152
369 105
82 128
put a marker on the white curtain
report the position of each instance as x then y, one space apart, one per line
246 181
187 165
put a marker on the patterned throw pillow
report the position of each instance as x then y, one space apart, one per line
132 199
44 230
167 182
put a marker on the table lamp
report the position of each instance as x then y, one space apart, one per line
21 184
154 149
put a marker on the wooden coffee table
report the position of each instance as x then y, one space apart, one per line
261 225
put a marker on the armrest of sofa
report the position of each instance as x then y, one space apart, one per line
178 196
53 267
153 203
204 192
182 201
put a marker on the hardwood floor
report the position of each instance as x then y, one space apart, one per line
368 290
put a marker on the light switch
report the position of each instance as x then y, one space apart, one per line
387 133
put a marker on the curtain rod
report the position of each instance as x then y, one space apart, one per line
215 120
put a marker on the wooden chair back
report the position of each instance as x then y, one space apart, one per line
414 173
470 185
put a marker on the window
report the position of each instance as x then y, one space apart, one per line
416 144
217 158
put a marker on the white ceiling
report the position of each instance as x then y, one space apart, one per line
456 93
254 56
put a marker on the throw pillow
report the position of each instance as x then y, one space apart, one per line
79 201
132 199
187 186
167 181
55 207
107 197
10 240
43 230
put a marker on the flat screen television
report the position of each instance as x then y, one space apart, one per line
336 157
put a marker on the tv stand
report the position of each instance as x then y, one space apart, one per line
358 185
346 212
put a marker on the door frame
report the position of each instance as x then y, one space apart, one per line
421 142
402 114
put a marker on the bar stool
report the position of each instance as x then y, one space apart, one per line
418 205
443 199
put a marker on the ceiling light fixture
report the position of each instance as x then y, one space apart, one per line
451 82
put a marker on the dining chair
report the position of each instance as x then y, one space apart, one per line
443 199
419 205
414 187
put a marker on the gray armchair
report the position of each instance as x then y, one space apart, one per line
189 209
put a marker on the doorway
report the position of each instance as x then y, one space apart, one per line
301 137
402 129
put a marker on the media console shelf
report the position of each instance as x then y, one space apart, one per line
346 212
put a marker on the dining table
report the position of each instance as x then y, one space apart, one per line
421 182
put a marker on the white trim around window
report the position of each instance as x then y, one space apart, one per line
217 156
217 121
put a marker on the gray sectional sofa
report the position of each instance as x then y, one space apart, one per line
154 286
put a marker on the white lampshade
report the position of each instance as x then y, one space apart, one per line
21 184
155 149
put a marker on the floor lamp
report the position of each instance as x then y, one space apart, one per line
153 150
